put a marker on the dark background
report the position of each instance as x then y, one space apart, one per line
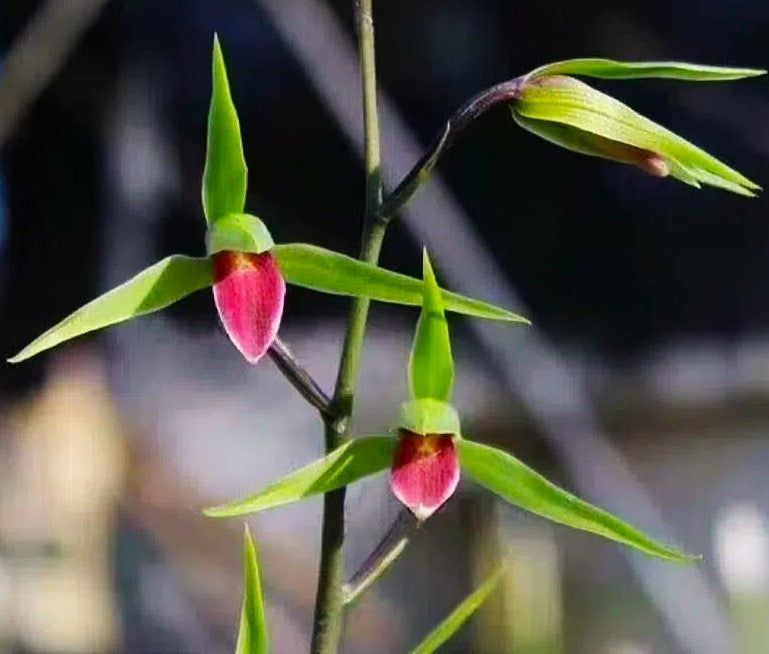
632 274
602 254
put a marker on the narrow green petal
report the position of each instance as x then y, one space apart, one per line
225 175
330 272
431 366
567 101
460 614
152 289
352 461
253 636
518 484
611 69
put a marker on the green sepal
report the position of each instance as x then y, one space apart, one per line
238 232
452 622
594 123
431 366
518 484
154 288
225 176
253 636
330 272
611 69
350 462
429 416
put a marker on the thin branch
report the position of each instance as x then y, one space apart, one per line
327 622
300 379
389 548
459 121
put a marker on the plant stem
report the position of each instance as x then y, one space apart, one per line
300 379
376 564
327 624
457 123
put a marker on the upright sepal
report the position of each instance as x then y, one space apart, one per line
518 484
225 175
249 292
152 289
431 366
253 637
348 463
612 69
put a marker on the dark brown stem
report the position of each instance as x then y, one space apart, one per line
452 128
300 379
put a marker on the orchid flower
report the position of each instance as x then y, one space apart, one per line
550 103
247 270
428 452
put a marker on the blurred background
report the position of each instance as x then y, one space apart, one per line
644 385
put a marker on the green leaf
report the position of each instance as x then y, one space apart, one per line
330 272
428 416
253 637
459 615
518 484
152 289
611 69
431 367
352 461
594 123
238 232
225 175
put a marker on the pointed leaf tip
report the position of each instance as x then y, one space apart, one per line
152 289
612 69
354 460
518 484
452 623
331 272
253 636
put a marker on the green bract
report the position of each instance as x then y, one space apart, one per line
428 416
253 637
572 114
238 232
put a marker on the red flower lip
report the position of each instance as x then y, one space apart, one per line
248 292
425 471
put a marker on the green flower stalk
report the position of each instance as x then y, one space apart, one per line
247 270
429 452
